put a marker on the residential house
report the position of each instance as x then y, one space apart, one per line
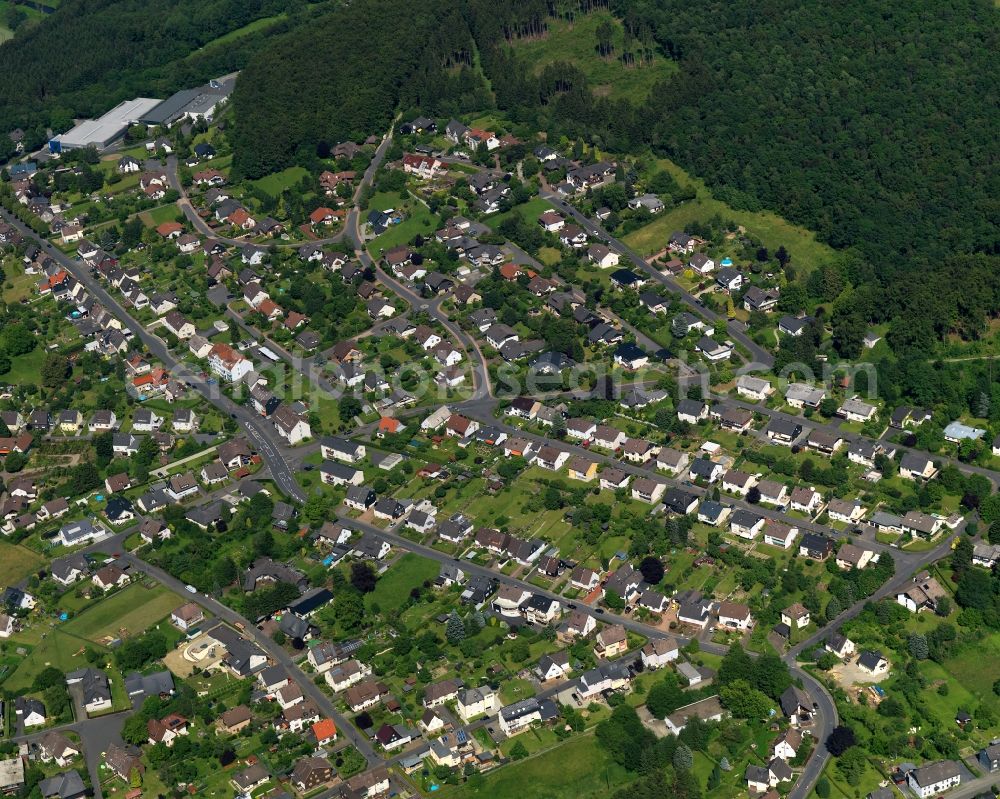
746 524
914 466
755 388
611 641
923 594
796 616
815 546
779 534
659 652
735 616
850 556
844 510
935 778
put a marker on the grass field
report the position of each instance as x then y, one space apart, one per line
279 181
770 228
17 562
134 608
159 215
577 769
21 286
419 219
26 369
576 43
32 14
393 588
529 211
256 25
58 649
967 669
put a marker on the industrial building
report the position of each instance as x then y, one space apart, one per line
193 104
104 130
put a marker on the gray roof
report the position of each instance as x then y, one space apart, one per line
93 683
703 467
793 698
64 786
870 658
62 567
160 682
936 772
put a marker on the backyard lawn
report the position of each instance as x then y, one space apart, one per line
529 211
25 369
770 228
577 769
276 183
967 670
159 215
58 649
393 587
134 608
17 562
419 219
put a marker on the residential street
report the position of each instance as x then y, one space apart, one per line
282 461
595 231
275 652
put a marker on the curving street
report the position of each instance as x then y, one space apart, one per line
483 406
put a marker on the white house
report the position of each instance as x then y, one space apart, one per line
228 364
935 778
734 616
659 652
754 388
796 616
291 426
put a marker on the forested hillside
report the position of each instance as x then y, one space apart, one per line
91 54
874 125
345 76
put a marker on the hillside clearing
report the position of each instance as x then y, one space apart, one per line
576 43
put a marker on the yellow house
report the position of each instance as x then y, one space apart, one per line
581 468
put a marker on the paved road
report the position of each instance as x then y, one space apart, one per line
468 567
263 435
432 307
835 428
483 406
275 652
96 735
735 329
826 709
482 411
199 224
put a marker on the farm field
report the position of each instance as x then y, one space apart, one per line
577 769
576 43
774 231
17 562
134 608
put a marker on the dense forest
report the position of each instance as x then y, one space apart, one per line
875 127
91 54
344 76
